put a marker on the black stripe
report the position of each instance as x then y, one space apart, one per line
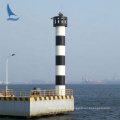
60 60
60 80
49 98
40 98
10 98
20 99
26 99
35 99
60 40
15 99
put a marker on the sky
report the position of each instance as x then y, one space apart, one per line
92 39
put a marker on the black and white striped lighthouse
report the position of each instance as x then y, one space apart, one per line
60 22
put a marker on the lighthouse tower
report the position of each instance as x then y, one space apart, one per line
60 22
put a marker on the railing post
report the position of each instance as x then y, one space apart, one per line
34 93
30 93
25 92
53 92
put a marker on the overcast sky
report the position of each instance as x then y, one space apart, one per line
92 39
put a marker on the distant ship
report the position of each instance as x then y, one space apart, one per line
93 82
86 80
98 82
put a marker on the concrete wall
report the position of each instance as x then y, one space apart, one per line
14 108
38 108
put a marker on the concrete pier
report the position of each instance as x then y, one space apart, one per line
37 103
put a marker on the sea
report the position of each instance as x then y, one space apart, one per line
92 102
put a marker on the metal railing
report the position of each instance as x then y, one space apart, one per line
35 93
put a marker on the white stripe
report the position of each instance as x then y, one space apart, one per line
60 50
60 70
62 87
60 90
60 31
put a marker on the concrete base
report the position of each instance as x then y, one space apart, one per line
51 107
14 108
36 108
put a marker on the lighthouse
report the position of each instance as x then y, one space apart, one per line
60 22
